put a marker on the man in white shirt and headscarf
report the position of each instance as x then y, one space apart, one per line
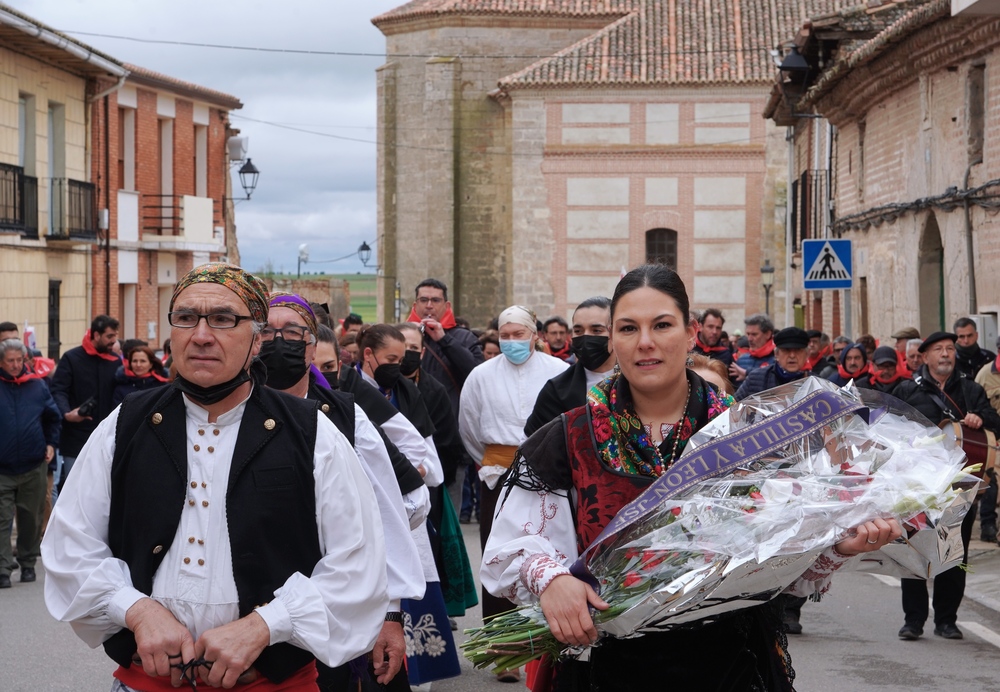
497 399
216 529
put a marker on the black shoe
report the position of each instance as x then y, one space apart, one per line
911 631
27 574
948 631
465 519
988 534
4 581
792 626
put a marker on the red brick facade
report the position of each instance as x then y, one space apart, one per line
132 275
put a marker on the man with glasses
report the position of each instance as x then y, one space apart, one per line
450 354
941 393
288 351
216 529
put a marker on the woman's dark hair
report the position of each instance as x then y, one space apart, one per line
490 336
656 276
154 361
376 336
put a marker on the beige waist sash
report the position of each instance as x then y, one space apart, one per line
499 455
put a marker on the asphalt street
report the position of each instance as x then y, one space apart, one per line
849 643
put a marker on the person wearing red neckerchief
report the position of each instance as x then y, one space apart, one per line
759 332
708 340
885 371
29 433
821 361
854 365
85 372
555 332
450 354
142 371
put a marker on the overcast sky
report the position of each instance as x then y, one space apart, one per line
313 189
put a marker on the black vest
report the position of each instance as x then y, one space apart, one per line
270 502
336 405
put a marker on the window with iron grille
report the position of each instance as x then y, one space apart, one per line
661 247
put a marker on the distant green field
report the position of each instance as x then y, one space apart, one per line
363 298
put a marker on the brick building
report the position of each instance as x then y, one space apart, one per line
48 219
161 146
530 151
901 155
113 179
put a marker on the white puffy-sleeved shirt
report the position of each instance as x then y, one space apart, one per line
497 399
403 561
421 452
533 541
336 613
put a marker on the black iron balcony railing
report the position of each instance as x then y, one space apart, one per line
161 214
18 201
72 209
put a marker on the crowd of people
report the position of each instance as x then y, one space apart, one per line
276 499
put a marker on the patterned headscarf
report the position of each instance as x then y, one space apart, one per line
251 290
280 299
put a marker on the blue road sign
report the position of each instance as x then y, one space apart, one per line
826 264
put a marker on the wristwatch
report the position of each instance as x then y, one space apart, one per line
394 617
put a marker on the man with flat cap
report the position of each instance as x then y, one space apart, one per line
903 337
941 393
820 361
790 346
216 529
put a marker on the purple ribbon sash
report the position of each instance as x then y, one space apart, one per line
721 456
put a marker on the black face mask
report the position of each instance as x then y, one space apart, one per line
591 350
410 363
332 379
217 392
285 361
386 375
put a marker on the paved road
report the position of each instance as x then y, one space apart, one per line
849 643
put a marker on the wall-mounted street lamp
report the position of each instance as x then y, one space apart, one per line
767 280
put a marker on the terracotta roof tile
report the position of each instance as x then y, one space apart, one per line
907 17
149 77
531 8
676 42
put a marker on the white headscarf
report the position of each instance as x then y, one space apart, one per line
517 314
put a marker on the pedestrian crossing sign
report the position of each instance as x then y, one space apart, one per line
827 264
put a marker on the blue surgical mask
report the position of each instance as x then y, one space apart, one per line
517 352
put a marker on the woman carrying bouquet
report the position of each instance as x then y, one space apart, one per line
576 473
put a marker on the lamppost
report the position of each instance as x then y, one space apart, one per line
767 280
248 177
303 258
365 255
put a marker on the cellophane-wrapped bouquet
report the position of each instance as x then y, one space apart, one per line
739 539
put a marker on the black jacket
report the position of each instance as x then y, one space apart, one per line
963 396
78 377
562 393
450 360
761 379
447 441
126 384
969 364
379 410
725 356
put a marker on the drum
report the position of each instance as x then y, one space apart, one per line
980 446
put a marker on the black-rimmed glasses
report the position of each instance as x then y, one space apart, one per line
216 320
